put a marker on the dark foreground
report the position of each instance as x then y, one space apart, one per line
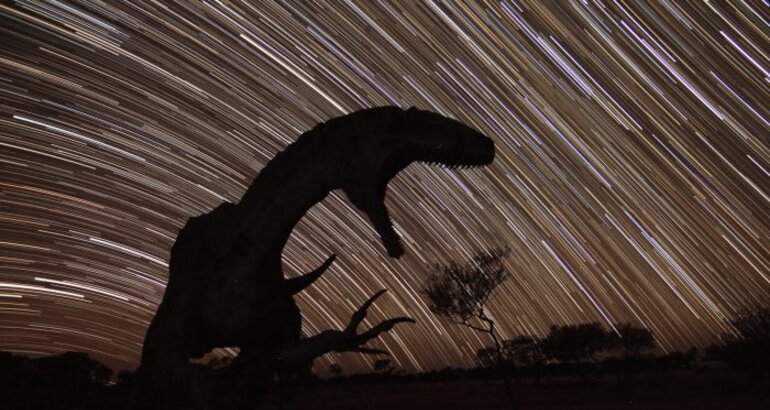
679 391
700 390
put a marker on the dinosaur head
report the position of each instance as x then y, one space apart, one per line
396 139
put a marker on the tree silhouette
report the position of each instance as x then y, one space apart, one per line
383 366
748 351
525 351
335 369
487 356
754 325
576 344
72 369
459 293
70 380
633 341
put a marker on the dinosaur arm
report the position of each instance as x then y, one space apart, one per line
302 353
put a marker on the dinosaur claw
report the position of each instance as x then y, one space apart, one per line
296 285
347 340
360 314
395 251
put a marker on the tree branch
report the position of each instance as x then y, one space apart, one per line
469 325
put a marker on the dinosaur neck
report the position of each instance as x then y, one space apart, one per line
286 188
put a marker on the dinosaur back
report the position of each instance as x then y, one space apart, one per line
203 240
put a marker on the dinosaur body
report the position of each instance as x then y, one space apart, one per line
226 286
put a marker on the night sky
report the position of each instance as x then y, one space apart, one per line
631 179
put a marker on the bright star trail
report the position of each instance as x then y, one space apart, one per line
631 180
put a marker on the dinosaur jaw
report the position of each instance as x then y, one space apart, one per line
424 153
390 239
452 159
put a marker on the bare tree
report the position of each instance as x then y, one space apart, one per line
459 292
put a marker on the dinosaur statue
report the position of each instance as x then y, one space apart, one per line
226 286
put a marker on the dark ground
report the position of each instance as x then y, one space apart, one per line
683 390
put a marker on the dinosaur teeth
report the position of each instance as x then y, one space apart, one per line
455 160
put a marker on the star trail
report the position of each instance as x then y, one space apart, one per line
631 179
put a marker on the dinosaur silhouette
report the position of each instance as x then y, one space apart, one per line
226 286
